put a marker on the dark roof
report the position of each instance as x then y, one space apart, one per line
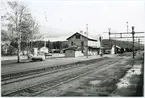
93 47
108 44
84 35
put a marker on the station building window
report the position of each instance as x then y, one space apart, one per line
82 43
77 36
72 43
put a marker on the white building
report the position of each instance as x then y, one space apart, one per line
44 49
84 42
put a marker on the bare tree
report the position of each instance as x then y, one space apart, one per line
30 29
21 24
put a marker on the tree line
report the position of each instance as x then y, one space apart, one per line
35 44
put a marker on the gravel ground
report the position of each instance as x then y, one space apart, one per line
98 83
101 83
21 84
25 83
82 86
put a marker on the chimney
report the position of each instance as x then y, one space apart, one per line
81 31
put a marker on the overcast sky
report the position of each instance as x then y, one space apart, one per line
63 18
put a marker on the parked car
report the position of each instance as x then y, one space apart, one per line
107 52
48 54
40 56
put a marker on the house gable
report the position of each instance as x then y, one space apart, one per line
89 38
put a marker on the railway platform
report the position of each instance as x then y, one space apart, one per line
18 67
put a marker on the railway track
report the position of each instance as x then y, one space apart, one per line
16 75
38 74
36 89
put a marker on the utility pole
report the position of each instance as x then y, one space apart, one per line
110 39
133 33
115 45
109 36
87 40
101 52
46 21
109 33
127 32
127 26
139 45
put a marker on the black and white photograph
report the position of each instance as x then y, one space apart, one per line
72 48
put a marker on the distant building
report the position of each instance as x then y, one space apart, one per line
82 41
121 46
115 47
44 49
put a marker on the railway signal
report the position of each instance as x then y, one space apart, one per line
133 40
133 36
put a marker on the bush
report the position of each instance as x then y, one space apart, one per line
8 51
12 51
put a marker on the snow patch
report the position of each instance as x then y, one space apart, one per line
124 82
95 82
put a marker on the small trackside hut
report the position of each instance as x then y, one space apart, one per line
73 52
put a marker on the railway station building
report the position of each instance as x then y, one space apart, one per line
83 45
